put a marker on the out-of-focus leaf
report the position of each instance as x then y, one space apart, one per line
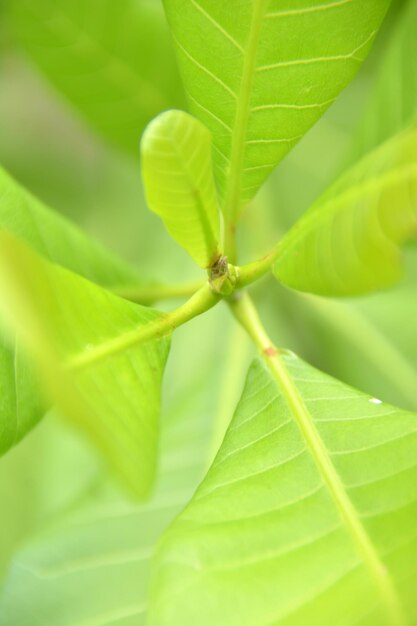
259 98
354 340
115 399
179 185
47 473
393 101
112 60
58 240
100 551
307 515
348 242
352 327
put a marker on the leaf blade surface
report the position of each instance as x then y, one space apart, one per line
349 241
116 401
264 540
59 241
179 185
257 97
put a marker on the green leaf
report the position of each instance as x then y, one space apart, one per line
259 98
307 515
116 398
357 346
112 60
59 241
100 551
179 185
393 101
348 241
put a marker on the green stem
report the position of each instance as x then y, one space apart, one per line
251 272
233 192
230 240
246 313
203 300
234 186
147 294
247 274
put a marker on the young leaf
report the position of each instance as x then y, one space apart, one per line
112 60
266 72
393 102
59 241
179 185
348 242
307 515
116 398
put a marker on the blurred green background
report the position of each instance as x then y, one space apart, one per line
51 147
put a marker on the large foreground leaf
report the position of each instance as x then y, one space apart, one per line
60 317
61 242
112 60
179 185
349 241
266 72
307 515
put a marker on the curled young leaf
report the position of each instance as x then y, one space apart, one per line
179 185
349 241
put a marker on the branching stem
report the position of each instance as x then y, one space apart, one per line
201 301
251 272
147 294
245 275
203 298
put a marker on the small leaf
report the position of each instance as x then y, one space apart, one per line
112 60
179 185
266 72
348 242
55 238
115 399
307 515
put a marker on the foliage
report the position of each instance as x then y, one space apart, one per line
166 503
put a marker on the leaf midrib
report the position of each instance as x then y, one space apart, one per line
344 505
232 195
211 239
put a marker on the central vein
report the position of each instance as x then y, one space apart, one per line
248 317
233 189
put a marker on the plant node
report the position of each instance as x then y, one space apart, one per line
223 277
